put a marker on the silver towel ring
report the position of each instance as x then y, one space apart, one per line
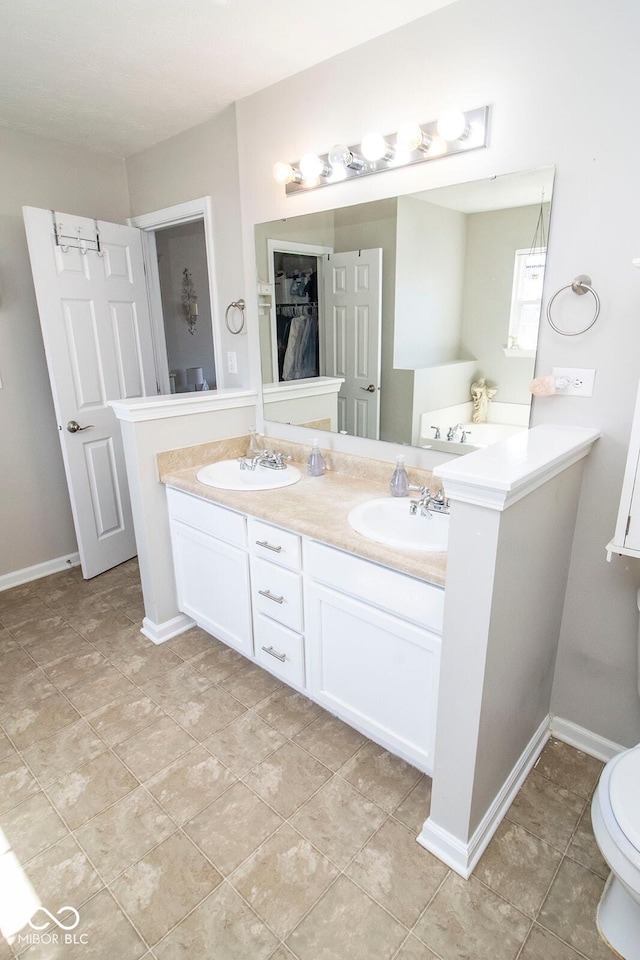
580 285
235 305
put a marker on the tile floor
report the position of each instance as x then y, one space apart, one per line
187 804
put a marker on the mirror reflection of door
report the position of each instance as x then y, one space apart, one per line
188 329
352 336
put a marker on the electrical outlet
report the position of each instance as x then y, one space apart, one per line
232 361
580 381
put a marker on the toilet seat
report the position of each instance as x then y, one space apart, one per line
624 795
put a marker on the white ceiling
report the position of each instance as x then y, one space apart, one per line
521 189
121 75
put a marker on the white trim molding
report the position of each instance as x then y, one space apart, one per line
161 632
463 857
500 475
583 739
297 389
182 405
17 577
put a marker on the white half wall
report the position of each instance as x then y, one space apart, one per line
162 430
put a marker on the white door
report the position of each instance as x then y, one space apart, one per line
352 318
92 299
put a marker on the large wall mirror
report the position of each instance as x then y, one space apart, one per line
377 319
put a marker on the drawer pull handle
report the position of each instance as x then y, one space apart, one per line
271 596
268 546
274 653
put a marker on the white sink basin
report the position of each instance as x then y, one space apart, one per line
227 475
389 521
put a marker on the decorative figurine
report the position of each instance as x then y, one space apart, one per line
481 395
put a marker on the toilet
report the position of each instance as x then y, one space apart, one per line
615 813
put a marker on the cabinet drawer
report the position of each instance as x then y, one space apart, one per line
398 593
208 517
277 593
273 543
279 649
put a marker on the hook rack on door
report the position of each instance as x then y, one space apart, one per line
75 236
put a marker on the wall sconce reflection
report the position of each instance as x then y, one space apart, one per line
189 300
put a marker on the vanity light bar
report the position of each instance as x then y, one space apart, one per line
455 131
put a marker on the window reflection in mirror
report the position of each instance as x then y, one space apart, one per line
458 300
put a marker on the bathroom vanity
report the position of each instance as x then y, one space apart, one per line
361 639
457 681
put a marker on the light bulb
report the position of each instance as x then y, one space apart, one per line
341 157
375 147
452 125
411 137
284 172
312 167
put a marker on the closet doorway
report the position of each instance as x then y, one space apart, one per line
295 273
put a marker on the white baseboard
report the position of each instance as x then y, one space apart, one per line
583 739
17 577
161 632
462 857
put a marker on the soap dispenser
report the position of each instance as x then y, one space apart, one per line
399 484
255 447
315 463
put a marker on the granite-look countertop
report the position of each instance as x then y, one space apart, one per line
316 507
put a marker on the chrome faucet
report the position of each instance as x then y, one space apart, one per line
452 431
436 435
274 461
426 503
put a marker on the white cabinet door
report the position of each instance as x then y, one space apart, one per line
212 580
374 670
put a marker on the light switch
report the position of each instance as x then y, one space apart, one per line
232 361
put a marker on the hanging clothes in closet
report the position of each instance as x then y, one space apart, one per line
301 354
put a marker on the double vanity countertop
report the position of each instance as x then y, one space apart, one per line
316 507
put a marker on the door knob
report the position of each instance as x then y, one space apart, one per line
73 426
370 389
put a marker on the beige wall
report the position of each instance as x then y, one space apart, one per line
35 515
479 53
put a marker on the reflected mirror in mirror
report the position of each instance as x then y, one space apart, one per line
376 320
